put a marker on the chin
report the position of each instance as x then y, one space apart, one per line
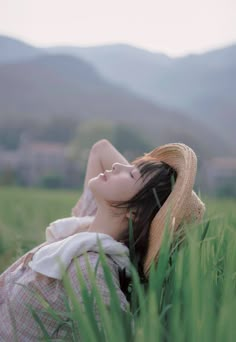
92 180
93 186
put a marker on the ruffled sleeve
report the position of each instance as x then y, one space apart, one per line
67 226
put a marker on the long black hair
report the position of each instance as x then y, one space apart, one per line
158 178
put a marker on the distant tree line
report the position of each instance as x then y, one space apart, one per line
78 138
71 131
55 130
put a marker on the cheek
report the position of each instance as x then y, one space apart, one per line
122 192
100 189
113 190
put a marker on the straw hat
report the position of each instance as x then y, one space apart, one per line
182 205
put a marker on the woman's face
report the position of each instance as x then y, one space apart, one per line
119 184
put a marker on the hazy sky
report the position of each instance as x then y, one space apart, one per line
175 27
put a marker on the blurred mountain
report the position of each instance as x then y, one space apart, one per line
12 50
201 85
57 85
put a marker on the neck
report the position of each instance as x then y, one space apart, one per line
108 221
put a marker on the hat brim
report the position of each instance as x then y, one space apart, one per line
182 204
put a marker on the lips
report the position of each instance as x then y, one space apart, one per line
103 176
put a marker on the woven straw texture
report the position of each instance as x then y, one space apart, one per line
183 205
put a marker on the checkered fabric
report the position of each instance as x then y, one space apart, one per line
20 287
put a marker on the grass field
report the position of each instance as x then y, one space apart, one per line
191 299
24 215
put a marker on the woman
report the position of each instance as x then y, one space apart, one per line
115 193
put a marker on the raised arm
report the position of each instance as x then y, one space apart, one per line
102 155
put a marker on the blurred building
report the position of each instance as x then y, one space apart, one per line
219 175
41 163
8 159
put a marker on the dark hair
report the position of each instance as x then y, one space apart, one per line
159 178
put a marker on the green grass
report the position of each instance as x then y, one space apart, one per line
24 215
191 294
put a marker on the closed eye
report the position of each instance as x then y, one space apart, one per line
131 175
